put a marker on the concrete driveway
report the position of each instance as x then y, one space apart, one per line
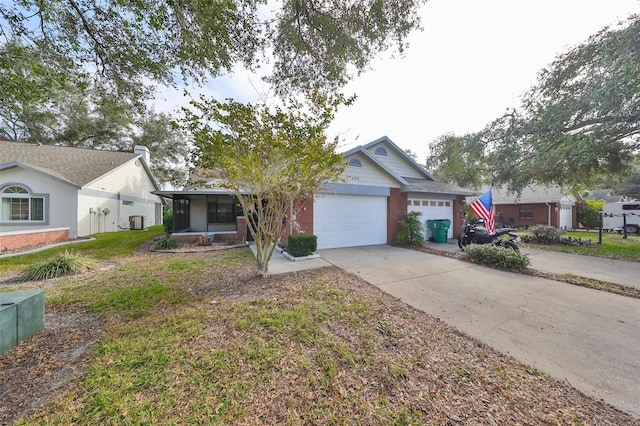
587 337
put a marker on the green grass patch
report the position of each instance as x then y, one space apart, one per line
104 246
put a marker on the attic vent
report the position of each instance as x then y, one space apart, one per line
380 151
355 162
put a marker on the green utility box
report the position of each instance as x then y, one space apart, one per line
439 229
21 316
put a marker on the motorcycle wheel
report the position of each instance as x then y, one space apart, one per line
511 245
462 243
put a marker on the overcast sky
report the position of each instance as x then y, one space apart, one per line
474 59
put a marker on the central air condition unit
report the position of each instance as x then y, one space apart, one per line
136 222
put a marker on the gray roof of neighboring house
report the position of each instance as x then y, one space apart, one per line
423 185
77 166
606 195
530 195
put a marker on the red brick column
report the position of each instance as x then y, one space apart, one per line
396 209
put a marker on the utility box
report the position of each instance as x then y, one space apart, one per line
136 222
21 316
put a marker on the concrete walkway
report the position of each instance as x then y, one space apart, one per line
587 337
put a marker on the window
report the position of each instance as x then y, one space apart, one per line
355 162
447 203
380 151
432 203
526 212
425 203
440 203
416 202
222 210
19 205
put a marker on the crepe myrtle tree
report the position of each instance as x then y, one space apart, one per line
271 158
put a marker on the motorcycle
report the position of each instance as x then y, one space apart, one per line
474 232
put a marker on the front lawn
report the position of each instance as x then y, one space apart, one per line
103 246
199 339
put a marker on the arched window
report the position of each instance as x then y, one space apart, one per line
355 162
380 151
19 205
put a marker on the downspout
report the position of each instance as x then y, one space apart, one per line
206 215
548 214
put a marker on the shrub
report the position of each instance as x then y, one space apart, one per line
500 257
203 240
545 231
302 244
166 243
412 232
67 263
230 242
167 223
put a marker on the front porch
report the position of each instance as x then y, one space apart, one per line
217 216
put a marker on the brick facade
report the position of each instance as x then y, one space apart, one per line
510 215
27 239
458 215
396 209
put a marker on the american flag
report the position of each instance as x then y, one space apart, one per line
483 207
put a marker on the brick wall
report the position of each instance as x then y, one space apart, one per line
509 215
303 220
396 209
458 215
30 239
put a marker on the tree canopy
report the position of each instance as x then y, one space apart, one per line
580 120
130 45
270 158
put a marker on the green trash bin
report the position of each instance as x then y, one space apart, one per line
439 229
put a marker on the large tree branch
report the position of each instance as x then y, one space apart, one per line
98 46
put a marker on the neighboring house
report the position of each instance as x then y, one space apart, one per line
537 205
380 184
606 195
54 193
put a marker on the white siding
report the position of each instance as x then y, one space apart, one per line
368 174
60 200
395 162
124 192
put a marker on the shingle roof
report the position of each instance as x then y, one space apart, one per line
423 185
530 195
77 166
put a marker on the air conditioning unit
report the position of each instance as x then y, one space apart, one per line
136 222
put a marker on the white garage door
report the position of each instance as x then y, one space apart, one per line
349 220
432 210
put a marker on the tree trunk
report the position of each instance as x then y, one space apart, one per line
264 250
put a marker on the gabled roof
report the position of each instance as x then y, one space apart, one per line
402 154
361 150
75 166
607 195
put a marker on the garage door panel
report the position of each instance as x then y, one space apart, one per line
350 220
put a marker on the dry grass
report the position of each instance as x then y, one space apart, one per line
217 345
